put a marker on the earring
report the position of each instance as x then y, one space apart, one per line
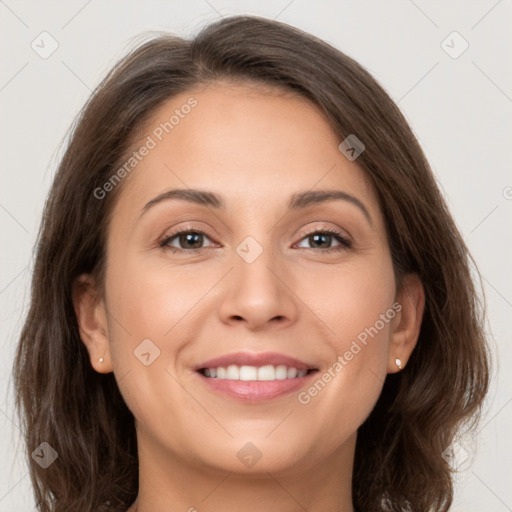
398 363
101 359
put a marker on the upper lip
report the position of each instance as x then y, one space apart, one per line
255 359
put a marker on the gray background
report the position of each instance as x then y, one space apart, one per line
460 109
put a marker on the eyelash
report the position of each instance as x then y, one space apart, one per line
344 242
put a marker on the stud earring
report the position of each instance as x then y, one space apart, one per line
101 359
398 363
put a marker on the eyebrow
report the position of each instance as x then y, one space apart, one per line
299 200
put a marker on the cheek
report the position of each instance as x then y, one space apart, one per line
150 305
356 305
351 300
152 298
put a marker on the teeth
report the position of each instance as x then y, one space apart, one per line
291 373
268 372
281 372
248 373
232 372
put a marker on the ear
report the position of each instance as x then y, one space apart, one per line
92 322
407 323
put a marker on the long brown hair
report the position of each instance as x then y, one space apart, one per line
81 414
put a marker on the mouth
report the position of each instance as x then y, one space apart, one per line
251 377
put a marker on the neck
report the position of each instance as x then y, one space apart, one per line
166 483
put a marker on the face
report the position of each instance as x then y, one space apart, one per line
260 269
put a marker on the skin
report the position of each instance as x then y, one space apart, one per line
256 148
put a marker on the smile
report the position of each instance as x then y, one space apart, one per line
254 377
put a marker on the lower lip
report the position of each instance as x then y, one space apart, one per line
255 390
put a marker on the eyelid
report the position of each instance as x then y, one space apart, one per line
328 229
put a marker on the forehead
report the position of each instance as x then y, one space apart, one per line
244 142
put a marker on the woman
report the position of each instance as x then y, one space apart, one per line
317 346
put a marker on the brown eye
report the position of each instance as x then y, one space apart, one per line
323 239
186 240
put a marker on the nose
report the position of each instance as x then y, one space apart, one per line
259 294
